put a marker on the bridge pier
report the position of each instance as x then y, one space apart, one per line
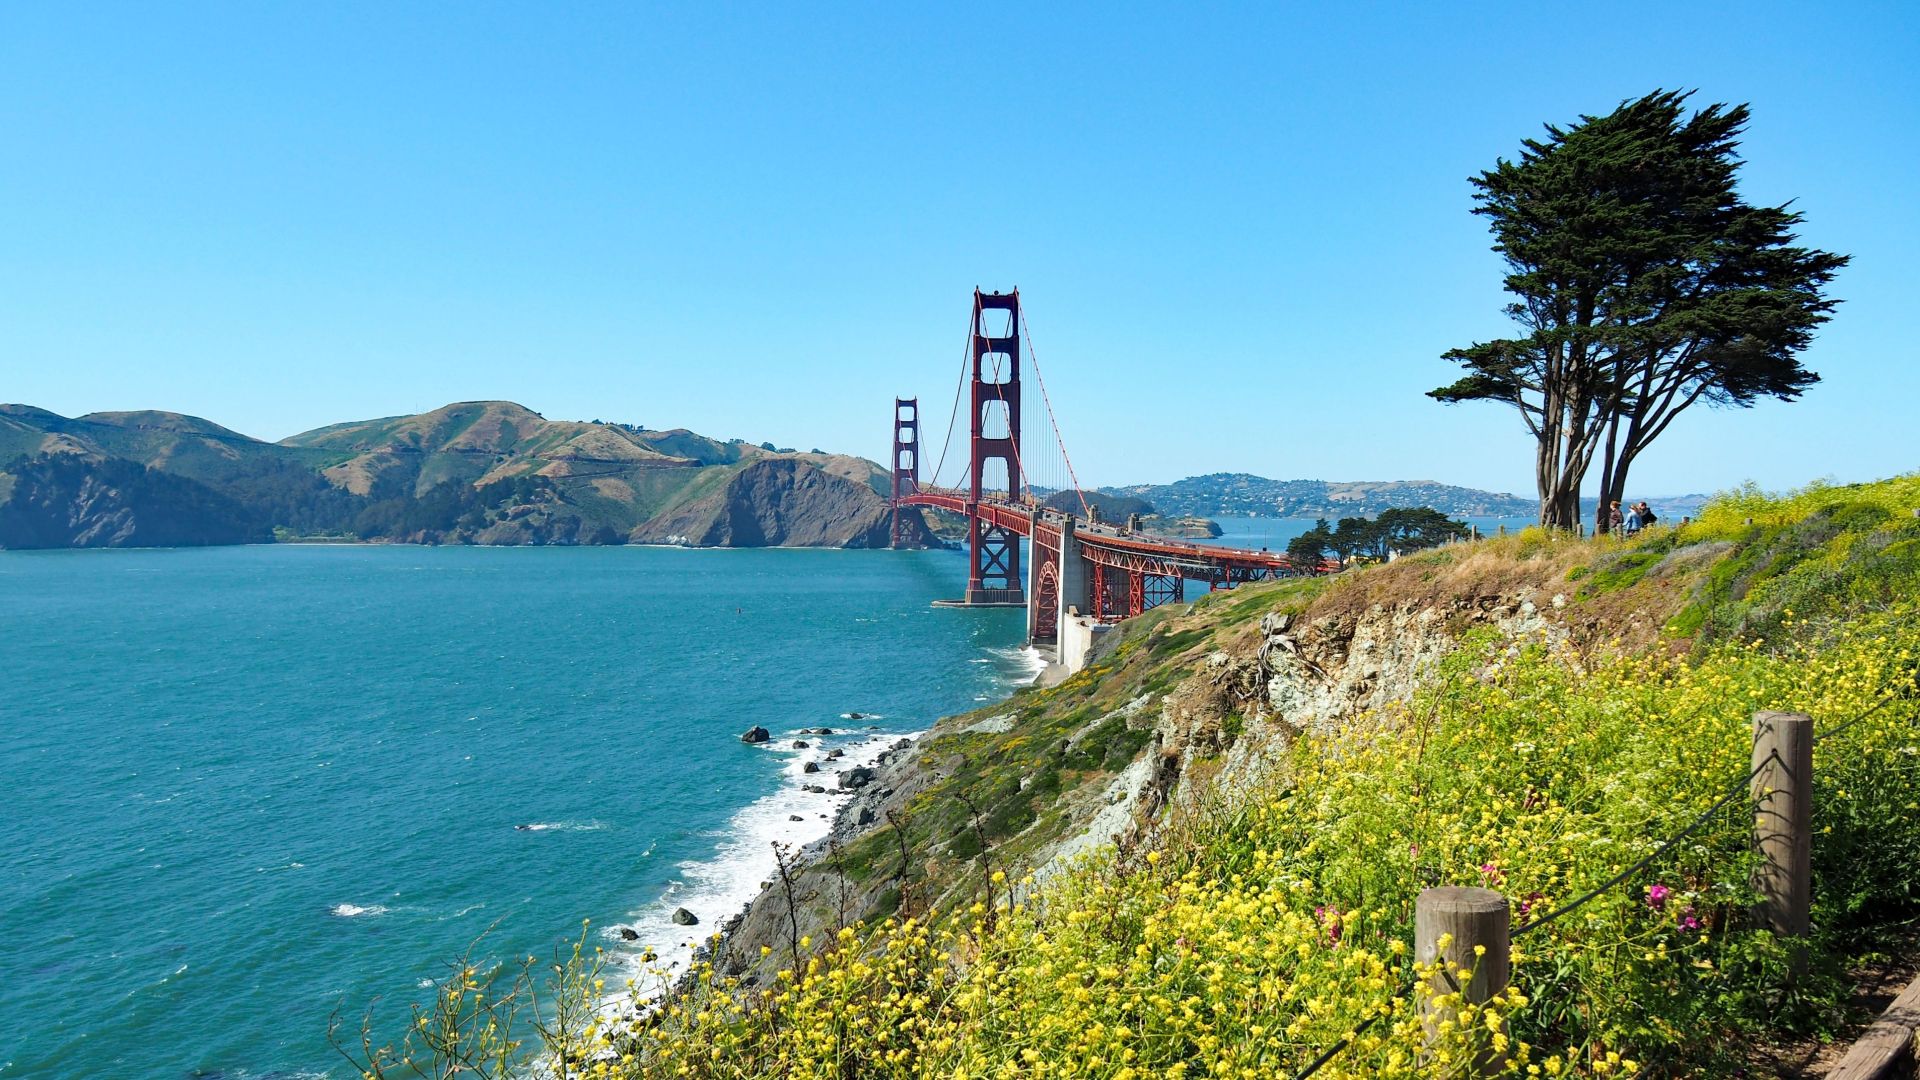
1076 585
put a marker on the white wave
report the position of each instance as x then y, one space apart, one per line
355 911
562 826
1020 664
718 887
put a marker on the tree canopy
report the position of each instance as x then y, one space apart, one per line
1397 529
1643 284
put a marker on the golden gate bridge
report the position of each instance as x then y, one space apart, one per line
1077 566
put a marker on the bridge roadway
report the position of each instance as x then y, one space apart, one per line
1087 568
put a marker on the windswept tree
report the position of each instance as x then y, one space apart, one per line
1643 284
1310 547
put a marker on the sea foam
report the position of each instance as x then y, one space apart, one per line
717 888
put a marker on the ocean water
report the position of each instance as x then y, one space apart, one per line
246 787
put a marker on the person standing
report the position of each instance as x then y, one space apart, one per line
1633 518
1614 520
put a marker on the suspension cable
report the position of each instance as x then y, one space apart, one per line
966 356
1047 401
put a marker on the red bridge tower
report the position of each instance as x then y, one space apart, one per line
906 463
993 551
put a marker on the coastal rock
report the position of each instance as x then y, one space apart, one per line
836 754
866 817
902 744
857 777
628 933
685 918
815 788
811 766
823 731
795 817
756 734
801 744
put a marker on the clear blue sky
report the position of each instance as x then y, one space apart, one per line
1242 232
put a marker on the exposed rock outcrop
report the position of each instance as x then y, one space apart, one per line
781 502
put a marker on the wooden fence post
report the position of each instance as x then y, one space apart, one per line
1783 819
1466 918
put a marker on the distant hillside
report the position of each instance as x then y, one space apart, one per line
1244 494
1109 506
482 472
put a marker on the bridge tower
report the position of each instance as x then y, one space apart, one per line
906 463
993 551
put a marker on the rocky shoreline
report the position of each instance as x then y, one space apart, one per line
1193 703
880 784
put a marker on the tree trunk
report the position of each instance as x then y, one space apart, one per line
1602 519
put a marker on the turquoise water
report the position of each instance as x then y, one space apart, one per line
247 786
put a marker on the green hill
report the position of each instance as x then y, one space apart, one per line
1245 494
484 472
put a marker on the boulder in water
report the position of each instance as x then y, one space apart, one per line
685 918
756 734
628 933
801 744
856 777
811 766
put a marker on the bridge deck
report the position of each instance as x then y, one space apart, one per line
1152 554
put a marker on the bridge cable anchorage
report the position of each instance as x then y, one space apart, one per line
1026 330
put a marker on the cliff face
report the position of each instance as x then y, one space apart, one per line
1180 708
781 503
66 501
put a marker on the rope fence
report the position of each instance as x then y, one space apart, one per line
1780 785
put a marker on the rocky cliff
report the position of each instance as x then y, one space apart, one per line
1177 709
781 503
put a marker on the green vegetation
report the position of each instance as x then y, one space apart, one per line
1396 529
1643 284
1243 937
487 472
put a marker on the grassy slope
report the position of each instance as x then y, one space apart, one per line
1241 938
